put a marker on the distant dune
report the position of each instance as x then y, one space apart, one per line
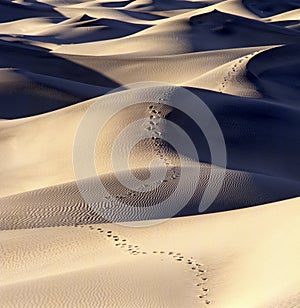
120 122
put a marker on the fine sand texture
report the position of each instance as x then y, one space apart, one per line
150 153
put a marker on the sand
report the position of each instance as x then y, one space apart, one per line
198 100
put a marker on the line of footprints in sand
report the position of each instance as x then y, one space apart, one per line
198 269
152 125
235 69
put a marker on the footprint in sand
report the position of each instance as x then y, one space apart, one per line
134 250
228 77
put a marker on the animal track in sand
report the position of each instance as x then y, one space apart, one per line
197 269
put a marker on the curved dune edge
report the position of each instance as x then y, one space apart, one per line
48 160
66 204
217 260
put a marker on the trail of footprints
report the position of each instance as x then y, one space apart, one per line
197 269
234 69
152 125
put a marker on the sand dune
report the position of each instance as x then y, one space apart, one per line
15 11
241 122
265 77
221 30
269 8
63 204
29 93
197 100
198 260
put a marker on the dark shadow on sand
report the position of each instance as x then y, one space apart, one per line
39 61
10 11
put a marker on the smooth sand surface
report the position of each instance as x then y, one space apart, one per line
146 243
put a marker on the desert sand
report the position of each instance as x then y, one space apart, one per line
116 92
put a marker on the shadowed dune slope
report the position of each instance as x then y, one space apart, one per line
276 73
64 205
221 31
14 11
269 8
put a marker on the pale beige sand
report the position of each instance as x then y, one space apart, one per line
243 258
59 58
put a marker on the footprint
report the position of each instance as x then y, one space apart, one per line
134 250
